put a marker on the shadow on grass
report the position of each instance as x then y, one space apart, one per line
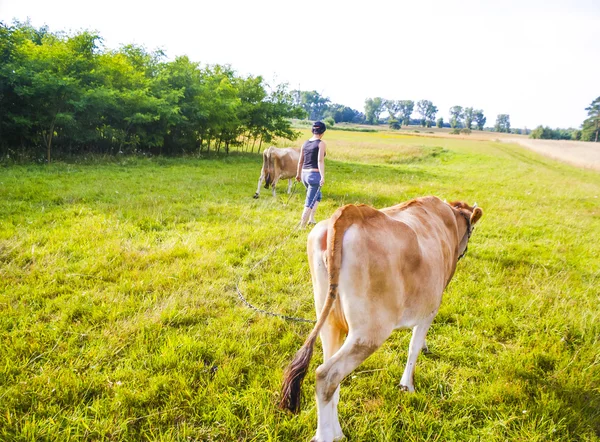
584 404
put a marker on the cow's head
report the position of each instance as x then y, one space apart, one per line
466 217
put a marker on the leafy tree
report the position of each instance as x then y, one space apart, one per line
393 107
591 126
468 115
440 122
406 110
456 115
312 102
279 108
373 109
46 83
502 123
427 111
479 118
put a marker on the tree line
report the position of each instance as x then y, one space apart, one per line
462 119
590 128
400 114
65 95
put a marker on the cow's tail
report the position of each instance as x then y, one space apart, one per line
291 391
268 165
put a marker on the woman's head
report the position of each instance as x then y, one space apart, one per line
319 128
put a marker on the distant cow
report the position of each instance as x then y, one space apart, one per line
374 271
278 163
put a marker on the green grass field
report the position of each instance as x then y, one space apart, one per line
119 319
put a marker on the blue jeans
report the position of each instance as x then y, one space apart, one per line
311 181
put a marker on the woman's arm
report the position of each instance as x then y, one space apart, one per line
300 162
322 147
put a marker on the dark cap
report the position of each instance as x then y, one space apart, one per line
318 127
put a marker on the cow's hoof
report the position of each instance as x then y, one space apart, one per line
320 439
406 388
255 196
327 436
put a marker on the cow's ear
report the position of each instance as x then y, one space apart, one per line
477 213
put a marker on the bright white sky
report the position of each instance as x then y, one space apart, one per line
537 60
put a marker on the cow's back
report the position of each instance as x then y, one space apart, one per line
399 258
435 226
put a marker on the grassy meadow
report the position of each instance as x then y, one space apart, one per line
119 319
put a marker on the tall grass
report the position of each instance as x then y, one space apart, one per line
119 319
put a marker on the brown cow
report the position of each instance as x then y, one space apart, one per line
374 271
278 163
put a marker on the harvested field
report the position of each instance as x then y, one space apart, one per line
578 153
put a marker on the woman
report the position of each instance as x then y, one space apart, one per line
311 171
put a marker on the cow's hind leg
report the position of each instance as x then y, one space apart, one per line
260 181
332 338
353 352
290 182
417 342
273 184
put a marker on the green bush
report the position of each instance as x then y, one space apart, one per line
394 124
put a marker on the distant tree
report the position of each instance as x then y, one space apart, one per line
359 117
406 110
427 111
591 126
440 122
468 115
312 102
330 122
393 107
373 109
479 119
394 124
343 114
456 114
502 123
540 132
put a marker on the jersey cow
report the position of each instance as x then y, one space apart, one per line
278 163
374 271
